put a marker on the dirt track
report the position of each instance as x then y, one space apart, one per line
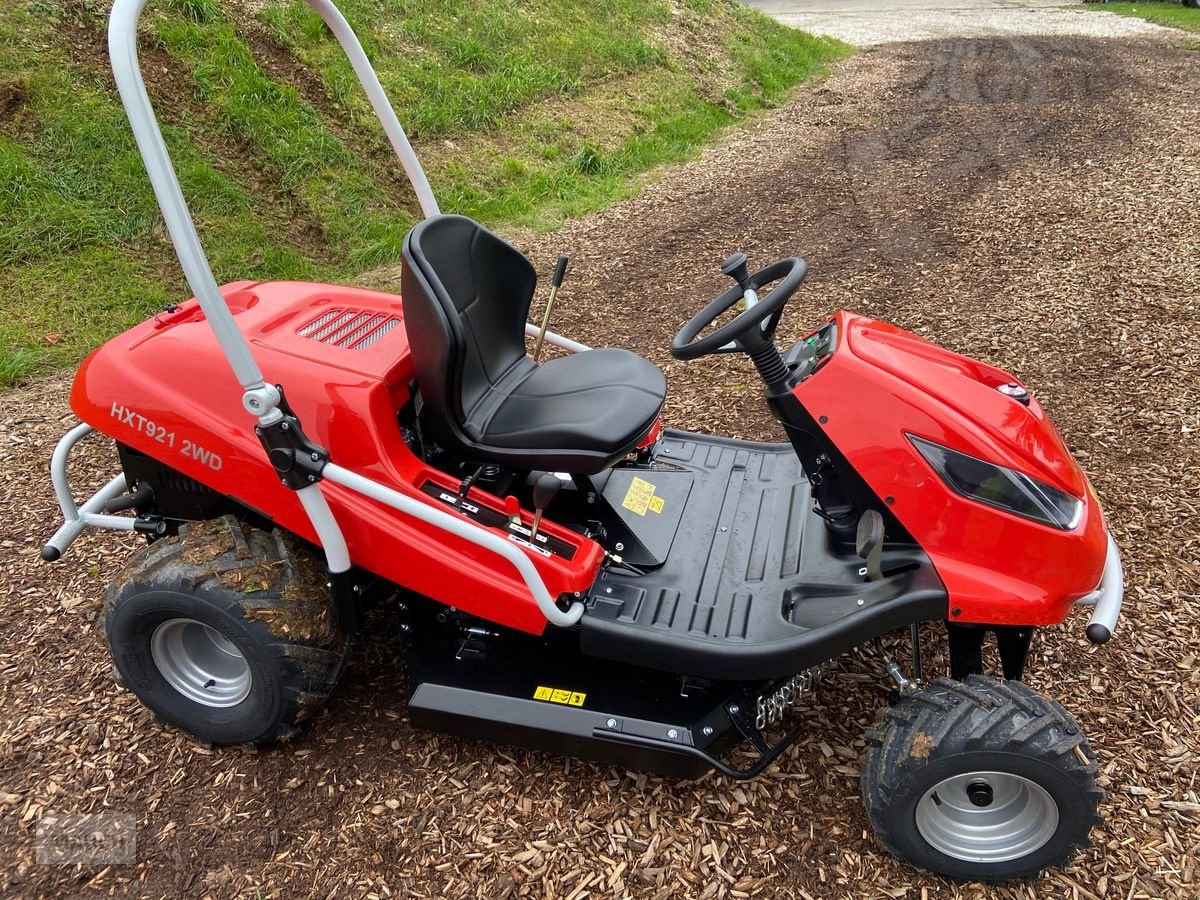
1035 202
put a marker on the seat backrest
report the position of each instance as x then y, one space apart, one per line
466 299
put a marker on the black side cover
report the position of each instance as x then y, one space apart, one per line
645 508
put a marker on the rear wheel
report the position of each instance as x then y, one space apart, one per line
226 631
980 781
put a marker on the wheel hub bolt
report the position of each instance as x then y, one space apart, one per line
980 793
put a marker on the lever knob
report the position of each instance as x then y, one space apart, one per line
560 271
736 267
544 489
512 509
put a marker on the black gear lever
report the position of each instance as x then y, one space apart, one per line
544 489
736 267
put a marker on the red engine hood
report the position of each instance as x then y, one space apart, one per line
165 389
1002 430
882 384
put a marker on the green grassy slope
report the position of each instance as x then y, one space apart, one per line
523 112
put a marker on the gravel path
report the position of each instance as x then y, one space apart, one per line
865 24
1035 202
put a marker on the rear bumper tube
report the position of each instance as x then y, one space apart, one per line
1107 598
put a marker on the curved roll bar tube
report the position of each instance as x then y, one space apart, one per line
122 48
260 398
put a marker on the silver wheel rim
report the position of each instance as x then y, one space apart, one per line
200 663
987 817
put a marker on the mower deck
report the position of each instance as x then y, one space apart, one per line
541 693
753 587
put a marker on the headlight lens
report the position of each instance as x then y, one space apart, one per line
997 486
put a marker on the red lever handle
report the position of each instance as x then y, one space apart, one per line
512 507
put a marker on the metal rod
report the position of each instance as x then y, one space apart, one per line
537 348
329 533
123 51
86 516
1107 597
58 470
560 271
915 630
467 530
557 339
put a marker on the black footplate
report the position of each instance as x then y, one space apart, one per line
753 585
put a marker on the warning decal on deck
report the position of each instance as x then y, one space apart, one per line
557 695
640 497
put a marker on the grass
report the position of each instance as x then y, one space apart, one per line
459 65
524 112
1172 15
82 253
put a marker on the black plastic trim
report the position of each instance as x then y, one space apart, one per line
298 461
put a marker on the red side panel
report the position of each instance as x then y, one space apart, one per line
342 356
883 383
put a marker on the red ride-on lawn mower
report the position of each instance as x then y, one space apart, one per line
571 576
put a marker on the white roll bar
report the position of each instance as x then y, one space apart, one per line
260 398
122 48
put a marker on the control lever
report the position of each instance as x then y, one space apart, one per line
737 267
869 543
544 489
512 509
560 272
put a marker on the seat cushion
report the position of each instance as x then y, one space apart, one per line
599 402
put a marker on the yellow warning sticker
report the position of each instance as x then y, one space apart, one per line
640 497
558 695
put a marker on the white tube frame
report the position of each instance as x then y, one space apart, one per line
260 398
556 339
464 528
77 518
1107 598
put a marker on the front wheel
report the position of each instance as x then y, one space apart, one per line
980 781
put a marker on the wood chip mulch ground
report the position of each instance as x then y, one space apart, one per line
1034 202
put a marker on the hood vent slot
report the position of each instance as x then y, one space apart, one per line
351 329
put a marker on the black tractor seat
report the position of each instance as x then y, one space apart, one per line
466 300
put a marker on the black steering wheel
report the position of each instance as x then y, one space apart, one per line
751 329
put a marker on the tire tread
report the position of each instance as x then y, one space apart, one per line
975 714
312 663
